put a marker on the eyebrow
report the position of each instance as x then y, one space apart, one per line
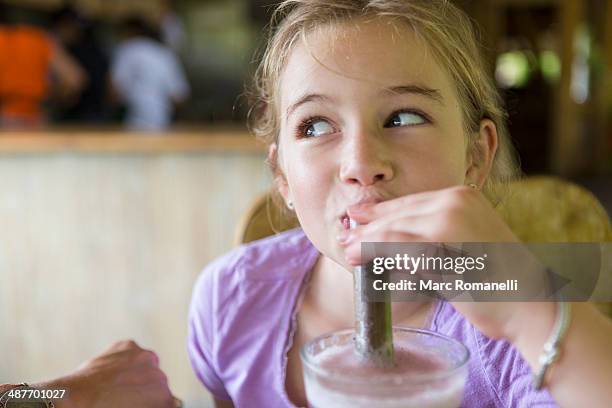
305 99
430 93
433 94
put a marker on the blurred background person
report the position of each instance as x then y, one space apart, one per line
77 35
28 56
147 77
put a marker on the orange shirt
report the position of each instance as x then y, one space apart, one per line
25 55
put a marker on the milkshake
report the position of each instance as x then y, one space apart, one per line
429 371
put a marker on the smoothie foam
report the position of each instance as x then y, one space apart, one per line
425 375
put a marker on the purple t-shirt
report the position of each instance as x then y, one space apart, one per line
243 316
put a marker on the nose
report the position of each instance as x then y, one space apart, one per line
365 159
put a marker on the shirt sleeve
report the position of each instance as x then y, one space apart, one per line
201 333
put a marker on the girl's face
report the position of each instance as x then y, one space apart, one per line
366 114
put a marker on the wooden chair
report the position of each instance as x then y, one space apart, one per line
537 209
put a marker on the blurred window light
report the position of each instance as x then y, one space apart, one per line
550 64
512 69
580 66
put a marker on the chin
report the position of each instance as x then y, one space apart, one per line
337 256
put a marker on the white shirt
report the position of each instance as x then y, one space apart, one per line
149 78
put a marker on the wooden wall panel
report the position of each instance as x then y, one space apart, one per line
100 247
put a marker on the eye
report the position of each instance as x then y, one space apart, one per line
405 119
315 127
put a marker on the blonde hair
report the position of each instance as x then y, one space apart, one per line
447 31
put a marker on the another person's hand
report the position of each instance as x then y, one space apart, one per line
125 375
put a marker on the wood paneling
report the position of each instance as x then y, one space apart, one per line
101 247
91 141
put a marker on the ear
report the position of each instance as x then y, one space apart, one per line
481 154
280 183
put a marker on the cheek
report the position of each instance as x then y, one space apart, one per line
435 162
310 197
310 183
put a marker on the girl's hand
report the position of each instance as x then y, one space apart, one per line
456 214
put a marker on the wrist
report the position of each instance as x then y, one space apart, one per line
70 399
5 388
530 327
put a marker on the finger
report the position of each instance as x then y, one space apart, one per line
346 237
372 232
365 213
148 357
123 345
142 375
353 253
148 395
405 221
117 354
389 229
129 349
371 213
163 398
124 360
113 353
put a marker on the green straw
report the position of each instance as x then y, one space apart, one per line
373 326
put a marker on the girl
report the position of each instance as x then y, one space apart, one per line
381 111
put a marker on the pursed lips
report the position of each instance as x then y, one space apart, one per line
344 218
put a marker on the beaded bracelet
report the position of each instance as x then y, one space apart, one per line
550 354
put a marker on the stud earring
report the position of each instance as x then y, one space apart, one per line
290 204
473 185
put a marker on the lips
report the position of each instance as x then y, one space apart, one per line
344 218
346 222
